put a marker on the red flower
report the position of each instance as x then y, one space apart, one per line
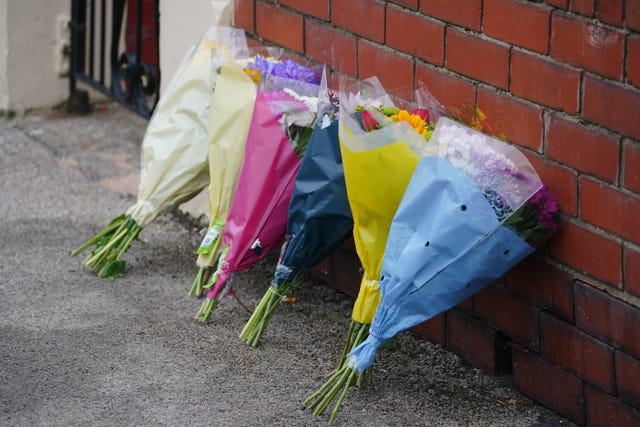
423 113
369 121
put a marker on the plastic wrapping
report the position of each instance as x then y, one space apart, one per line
449 237
174 148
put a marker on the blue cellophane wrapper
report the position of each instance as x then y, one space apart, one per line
319 217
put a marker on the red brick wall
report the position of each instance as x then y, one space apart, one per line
560 78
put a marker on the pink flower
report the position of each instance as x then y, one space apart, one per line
369 121
423 113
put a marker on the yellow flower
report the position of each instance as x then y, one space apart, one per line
413 119
253 74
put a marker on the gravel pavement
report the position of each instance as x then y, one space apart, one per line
77 350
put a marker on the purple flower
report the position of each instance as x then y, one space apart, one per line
289 69
264 66
547 206
286 69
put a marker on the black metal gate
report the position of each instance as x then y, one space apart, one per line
114 50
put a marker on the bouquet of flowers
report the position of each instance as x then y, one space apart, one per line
284 111
468 215
174 151
381 145
319 216
231 114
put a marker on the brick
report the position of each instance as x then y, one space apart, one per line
583 7
604 410
611 12
321 272
411 4
632 14
632 271
583 148
627 374
631 162
581 43
569 348
545 82
427 42
633 61
522 24
346 272
562 4
516 318
280 26
466 306
614 107
478 343
449 90
589 252
433 329
477 58
348 14
562 181
331 46
394 71
559 390
243 15
518 121
610 209
466 13
543 284
608 318
317 8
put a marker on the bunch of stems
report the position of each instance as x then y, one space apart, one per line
203 276
343 377
257 323
109 246
211 302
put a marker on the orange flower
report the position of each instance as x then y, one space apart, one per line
413 119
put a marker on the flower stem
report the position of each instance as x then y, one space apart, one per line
257 323
101 256
92 241
204 273
347 385
343 377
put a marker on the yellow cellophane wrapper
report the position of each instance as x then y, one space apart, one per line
174 148
230 118
375 180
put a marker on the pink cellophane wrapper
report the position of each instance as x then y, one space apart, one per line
257 219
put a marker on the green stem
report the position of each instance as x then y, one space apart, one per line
257 323
207 307
133 229
93 261
346 347
316 397
346 388
196 287
108 229
342 380
344 376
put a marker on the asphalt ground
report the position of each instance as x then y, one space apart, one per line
76 349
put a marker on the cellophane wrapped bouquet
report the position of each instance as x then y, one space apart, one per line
174 150
381 145
319 215
283 117
473 209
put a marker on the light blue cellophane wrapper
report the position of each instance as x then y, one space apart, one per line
446 241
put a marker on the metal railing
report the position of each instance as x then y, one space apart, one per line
114 50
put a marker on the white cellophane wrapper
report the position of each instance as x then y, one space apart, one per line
174 150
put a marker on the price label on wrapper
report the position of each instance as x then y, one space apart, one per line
211 237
